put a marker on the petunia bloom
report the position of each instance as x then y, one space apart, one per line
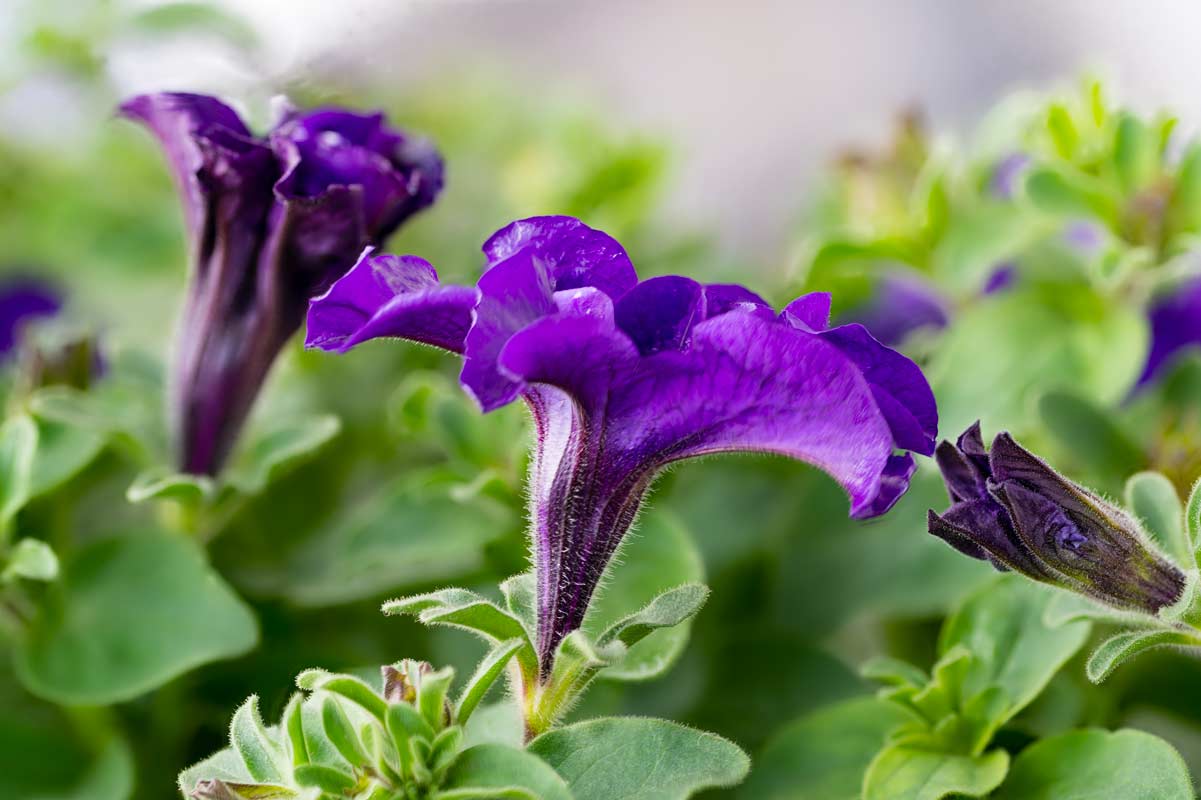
271 222
22 300
1010 508
625 377
1175 326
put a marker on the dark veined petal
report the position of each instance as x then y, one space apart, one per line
659 314
390 296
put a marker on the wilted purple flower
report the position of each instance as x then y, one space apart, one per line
1175 325
624 378
21 300
272 221
899 305
1010 508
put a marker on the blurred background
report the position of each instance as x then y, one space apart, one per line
701 134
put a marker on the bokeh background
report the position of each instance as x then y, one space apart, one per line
699 133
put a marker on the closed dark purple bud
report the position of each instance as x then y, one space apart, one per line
272 221
23 300
1010 508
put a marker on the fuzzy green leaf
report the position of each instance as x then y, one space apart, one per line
902 773
1089 764
639 759
1123 646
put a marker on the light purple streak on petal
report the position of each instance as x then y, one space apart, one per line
21 300
512 294
390 296
1175 326
899 387
575 255
899 305
1006 175
809 311
658 314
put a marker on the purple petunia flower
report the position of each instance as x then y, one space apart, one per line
271 222
625 377
1175 325
899 305
22 300
1008 507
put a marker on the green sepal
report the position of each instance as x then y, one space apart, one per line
1121 647
347 686
263 758
486 674
340 731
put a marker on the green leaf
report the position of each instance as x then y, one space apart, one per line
263 759
1067 193
1089 764
1090 434
160 483
658 556
1136 153
1192 521
432 689
1153 499
62 451
327 779
459 608
1118 648
1002 627
340 731
410 532
31 559
348 686
271 454
486 674
902 773
639 759
497 767
97 639
18 442
667 610
1009 349
823 755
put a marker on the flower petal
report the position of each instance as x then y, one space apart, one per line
900 389
390 296
179 120
23 299
575 255
658 314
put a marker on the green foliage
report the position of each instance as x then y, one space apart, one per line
130 613
1091 763
628 757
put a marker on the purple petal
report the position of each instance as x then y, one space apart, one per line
390 296
21 300
900 389
894 482
1175 326
575 255
658 314
810 311
179 121
1001 278
721 298
330 148
1007 174
512 294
